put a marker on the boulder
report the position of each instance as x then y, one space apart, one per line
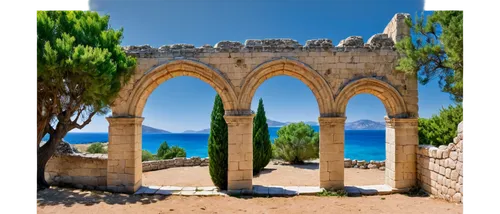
226 45
352 41
319 43
372 166
347 163
63 148
380 40
382 168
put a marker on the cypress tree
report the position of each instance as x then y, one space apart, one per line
262 151
217 145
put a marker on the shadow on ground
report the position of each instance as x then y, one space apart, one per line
68 197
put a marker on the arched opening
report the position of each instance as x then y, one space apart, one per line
401 137
364 151
305 82
178 113
287 100
125 166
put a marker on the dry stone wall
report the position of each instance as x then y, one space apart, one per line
171 163
88 171
79 170
440 169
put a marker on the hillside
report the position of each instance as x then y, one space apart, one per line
151 130
274 123
365 125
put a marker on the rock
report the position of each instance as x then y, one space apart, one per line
457 197
354 162
319 43
382 168
272 43
460 128
347 163
226 45
138 48
372 166
63 148
352 41
361 163
363 167
181 46
380 40
453 155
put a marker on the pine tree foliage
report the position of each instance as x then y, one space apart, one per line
440 129
296 142
218 145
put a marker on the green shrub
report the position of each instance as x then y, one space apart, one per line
162 150
217 146
147 156
338 193
440 129
262 149
174 152
97 148
296 142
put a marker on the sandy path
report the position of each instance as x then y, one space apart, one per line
278 175
60 200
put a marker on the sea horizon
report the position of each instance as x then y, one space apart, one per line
359 144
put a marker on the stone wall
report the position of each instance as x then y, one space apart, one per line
440 169
362 164
171 163
86 171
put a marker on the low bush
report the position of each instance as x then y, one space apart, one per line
296 142
440 129
174 152
97 148
147 156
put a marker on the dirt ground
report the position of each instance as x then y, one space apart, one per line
60 200
272 175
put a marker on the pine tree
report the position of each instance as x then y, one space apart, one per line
435 51
162 150
217 146
262 151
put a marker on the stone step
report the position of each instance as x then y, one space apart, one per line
258 190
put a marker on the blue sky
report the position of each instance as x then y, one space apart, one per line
185 103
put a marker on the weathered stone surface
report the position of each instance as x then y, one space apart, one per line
319 43
372 166
272 44
228 45
380 40
352 41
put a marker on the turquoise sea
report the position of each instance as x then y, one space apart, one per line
359 144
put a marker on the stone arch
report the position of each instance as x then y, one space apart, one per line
390 97
289 67
170 69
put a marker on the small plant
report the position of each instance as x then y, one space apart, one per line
175 151
338 193
147 156
97 148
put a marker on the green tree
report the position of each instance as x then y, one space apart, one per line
80 70
440 129
173 152
97 148
217 145
147 156
162 150
262 151
437 51
296 142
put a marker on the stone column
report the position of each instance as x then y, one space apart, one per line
401 152
124 173
240 152
331 152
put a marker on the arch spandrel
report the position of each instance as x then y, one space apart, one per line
393 101
133 98
289 67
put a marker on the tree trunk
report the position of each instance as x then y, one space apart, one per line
44 154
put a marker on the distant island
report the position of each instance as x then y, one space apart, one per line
365 125
356 125
151 130
203 131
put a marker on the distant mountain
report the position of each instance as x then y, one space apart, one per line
274 123
365 125
203 131
151 130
